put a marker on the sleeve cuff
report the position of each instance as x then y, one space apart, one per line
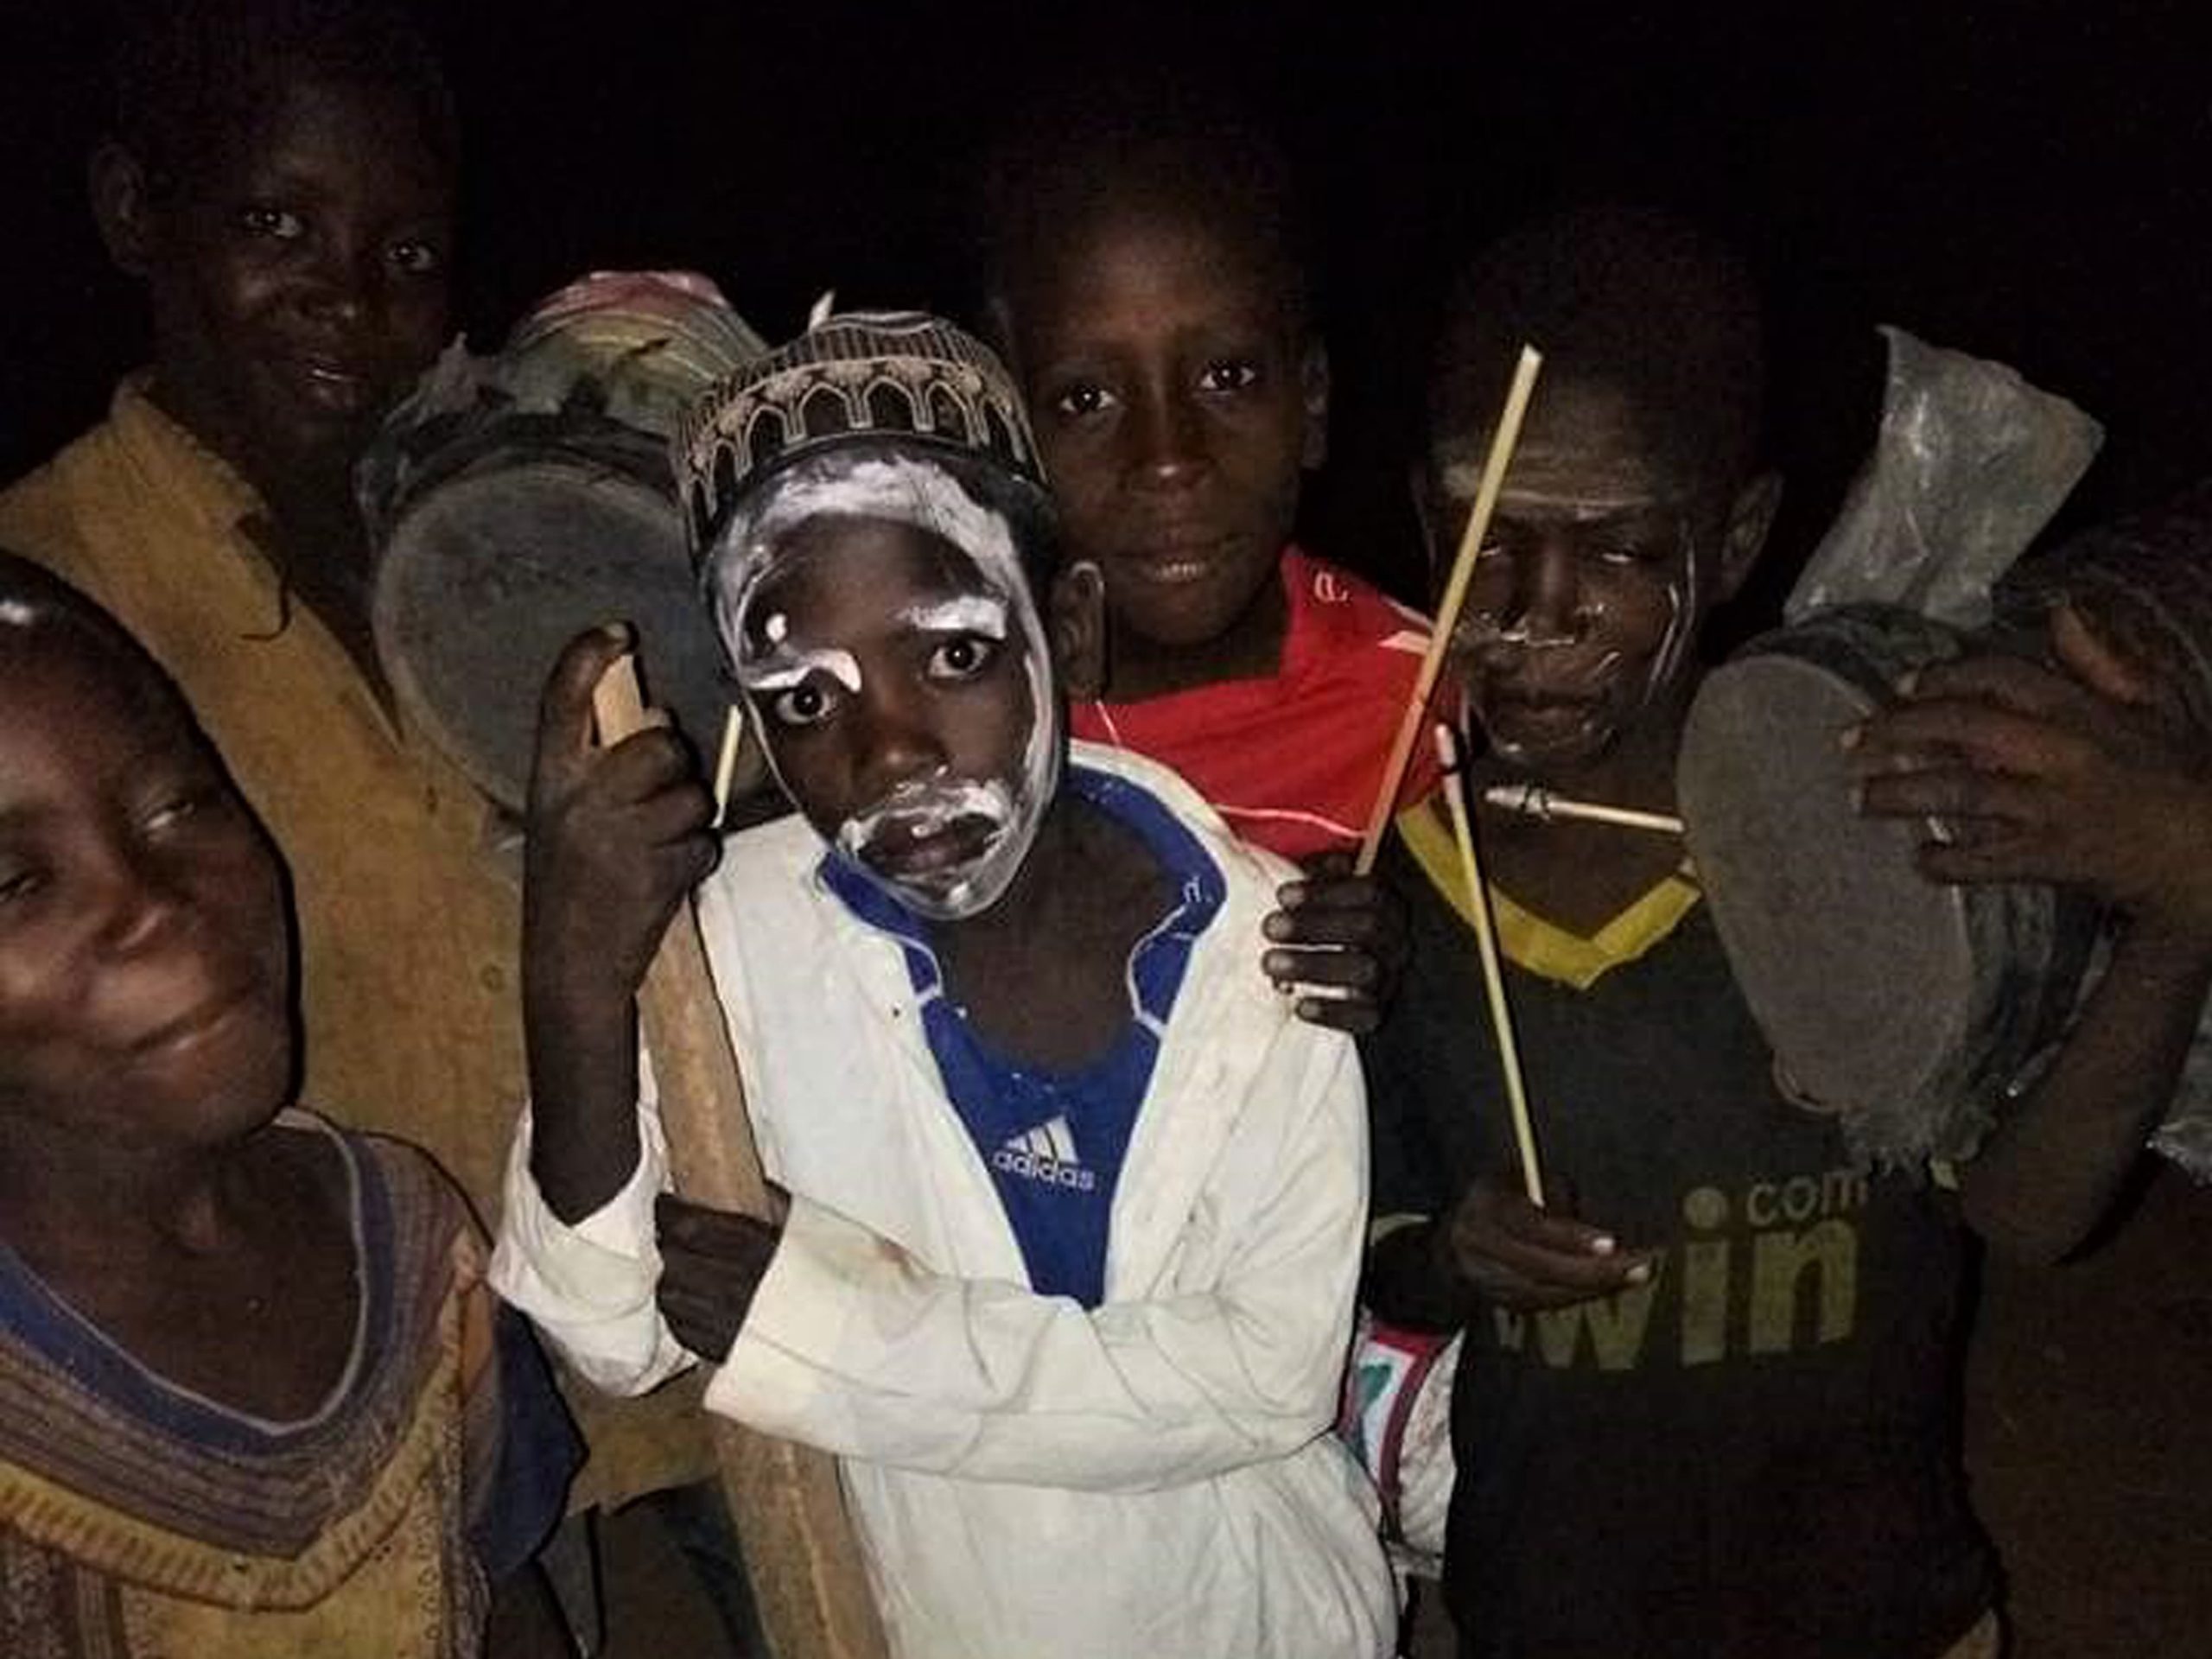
779 1370
590 1286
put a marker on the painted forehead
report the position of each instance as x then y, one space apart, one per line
786 518
1588 452
946 590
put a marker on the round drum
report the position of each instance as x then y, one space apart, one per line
1905 1006
519 500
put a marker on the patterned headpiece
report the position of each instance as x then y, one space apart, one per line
896 376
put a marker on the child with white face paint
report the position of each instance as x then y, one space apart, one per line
798 681
1075 1201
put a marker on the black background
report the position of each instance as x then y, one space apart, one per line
2027 181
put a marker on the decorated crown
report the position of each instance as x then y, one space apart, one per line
900 375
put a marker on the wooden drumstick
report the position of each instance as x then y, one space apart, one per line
1501 1013
726 762
1535 801
1455 598
805 1567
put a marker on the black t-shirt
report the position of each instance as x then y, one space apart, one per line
1755 1453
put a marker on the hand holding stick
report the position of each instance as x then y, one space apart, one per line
808 1575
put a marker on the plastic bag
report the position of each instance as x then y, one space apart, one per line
1970 463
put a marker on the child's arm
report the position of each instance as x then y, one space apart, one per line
616 838
2081 781
853 1346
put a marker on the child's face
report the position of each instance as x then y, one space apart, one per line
1175 399
145 975
1601 561
907 704
299 276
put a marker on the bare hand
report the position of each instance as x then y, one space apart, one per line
1518 1256
712 1261
1340 945
615 838
2074 775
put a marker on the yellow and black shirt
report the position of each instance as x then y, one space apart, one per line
1752 1453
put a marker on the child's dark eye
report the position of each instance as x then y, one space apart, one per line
1082 399
416 257
962 658
173 811
1231 374
181 808
1627 554
806 704
277 224
16 884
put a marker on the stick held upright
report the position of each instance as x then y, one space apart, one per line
810 1580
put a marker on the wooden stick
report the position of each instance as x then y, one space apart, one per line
1541 804
1455 598
726 762
808 1576
1501 1014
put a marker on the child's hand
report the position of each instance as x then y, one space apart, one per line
615 837
712 1260
1339 946
1518 1256
2075 777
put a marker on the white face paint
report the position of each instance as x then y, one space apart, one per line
946 847
979 613
783 668
1566 661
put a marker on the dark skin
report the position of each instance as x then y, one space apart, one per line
297 273
1178 397
146 1046
1039 970
145 983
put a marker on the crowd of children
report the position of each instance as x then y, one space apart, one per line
1045 994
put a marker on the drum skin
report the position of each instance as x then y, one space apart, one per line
518 500
524 544
1906 1007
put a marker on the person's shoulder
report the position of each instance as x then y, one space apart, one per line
1348 611
765 860
1244 866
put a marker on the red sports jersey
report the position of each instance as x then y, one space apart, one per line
1292 760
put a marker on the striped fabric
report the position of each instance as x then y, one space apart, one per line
139 1519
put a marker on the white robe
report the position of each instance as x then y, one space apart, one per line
1030 1479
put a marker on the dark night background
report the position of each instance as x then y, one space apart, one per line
2023 180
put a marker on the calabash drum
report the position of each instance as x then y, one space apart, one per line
520 500
1905 1006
